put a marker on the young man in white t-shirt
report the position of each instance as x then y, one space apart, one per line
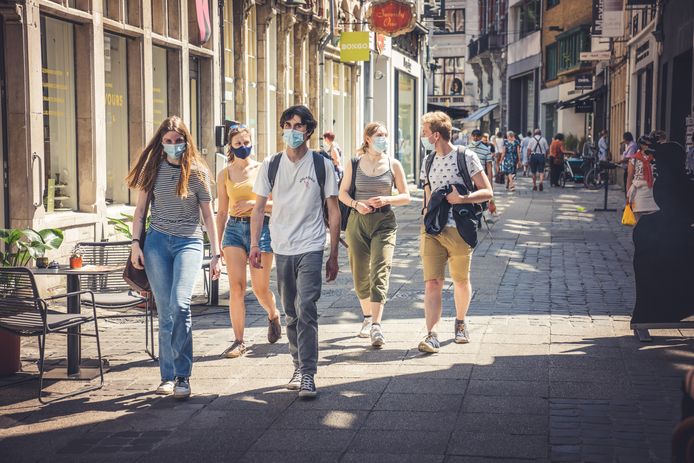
298 230
448 247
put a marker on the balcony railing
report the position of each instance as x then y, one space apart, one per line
486 42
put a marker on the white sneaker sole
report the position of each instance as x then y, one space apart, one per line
163 392
461 341
424 347
181 395
363 335
307 394
293 387
378 343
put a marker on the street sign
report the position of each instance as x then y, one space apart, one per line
584 106
595 55
434 9
583 82
608 18
354 46
392 17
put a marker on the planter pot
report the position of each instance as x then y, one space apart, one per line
42 262
10 362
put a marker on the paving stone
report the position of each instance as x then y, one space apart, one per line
419 402
400 441
497 445
411 421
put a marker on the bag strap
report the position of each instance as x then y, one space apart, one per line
319 166
273 168
352 190
428 162
150 195
463 170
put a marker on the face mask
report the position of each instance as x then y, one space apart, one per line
174 151
429 146
380 144
242 152
293 138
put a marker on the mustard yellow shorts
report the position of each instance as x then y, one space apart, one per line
447 247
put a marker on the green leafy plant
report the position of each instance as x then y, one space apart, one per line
22 245
122 224
571 142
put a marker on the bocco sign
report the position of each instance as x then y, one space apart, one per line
354 46
392 17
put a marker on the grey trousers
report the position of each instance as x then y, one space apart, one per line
299 280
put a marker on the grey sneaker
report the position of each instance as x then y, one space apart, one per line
237 349
461 334
181 388
365 330
274 330
308 387
377 339
294 384
430 344
165 388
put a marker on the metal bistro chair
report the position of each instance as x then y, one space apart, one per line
111 291
24 313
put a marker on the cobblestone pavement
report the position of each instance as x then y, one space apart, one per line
553 372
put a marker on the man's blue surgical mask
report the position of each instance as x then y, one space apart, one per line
242 152
380 144
429 146
174 151
293 138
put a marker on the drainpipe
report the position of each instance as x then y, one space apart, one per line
321 51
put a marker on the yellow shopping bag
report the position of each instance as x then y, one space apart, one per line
628 216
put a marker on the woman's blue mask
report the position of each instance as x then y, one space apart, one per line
242 152
293 138
380 144
174 151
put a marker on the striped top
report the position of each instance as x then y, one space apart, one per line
173 215
368 186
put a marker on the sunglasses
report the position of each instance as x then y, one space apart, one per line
237 127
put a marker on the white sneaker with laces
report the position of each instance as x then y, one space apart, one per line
165 388
377 339
365 330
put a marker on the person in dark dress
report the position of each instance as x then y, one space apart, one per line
664 242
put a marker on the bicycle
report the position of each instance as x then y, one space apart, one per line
597 176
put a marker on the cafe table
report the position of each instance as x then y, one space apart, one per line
74 306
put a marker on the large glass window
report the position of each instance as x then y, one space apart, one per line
529 18
551 64
453 23
228 60
570 48
59 118
449 76
116 82
405 135
160 87
271 53
194 125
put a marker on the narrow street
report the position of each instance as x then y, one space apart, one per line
553 372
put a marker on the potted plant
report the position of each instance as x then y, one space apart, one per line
76 257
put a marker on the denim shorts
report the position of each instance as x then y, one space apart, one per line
237 233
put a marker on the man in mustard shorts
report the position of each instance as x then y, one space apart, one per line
447 247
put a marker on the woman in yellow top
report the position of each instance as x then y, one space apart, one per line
236 201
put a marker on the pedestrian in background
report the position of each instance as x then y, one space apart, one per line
640 180
524 152
509 165
537 152
603 147
298 236
630 149
335 153
499 144
236 202
371 226
448 247
556 159
171 170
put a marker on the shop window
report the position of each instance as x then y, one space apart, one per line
453 23
271 53
405 135
117 156
551 62
194 125
166 18
449 76
529 18
160 87
290 65
251 49
59 114
195 11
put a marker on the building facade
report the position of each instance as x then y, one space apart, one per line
524 63
487 56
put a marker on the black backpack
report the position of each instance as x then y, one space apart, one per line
464 172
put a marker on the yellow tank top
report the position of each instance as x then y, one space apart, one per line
242 191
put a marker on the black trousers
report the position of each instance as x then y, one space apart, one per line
554 173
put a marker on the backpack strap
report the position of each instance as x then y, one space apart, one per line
463 170
428 162
319 166
273 168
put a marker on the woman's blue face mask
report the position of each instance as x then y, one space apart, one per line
174 151
380 144
242 152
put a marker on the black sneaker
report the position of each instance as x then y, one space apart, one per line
308 387
294 384
181 388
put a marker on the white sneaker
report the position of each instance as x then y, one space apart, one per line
165 388
365 330
182 388
377 339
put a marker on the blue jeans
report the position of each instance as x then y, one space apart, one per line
172 264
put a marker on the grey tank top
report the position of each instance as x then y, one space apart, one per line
369 186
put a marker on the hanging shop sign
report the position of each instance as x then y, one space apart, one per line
392 17
354 46
584 106
595 55
583 82
608 18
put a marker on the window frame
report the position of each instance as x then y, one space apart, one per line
442 30
552 51
442 70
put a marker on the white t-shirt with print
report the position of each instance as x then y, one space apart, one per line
296 222
444 171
